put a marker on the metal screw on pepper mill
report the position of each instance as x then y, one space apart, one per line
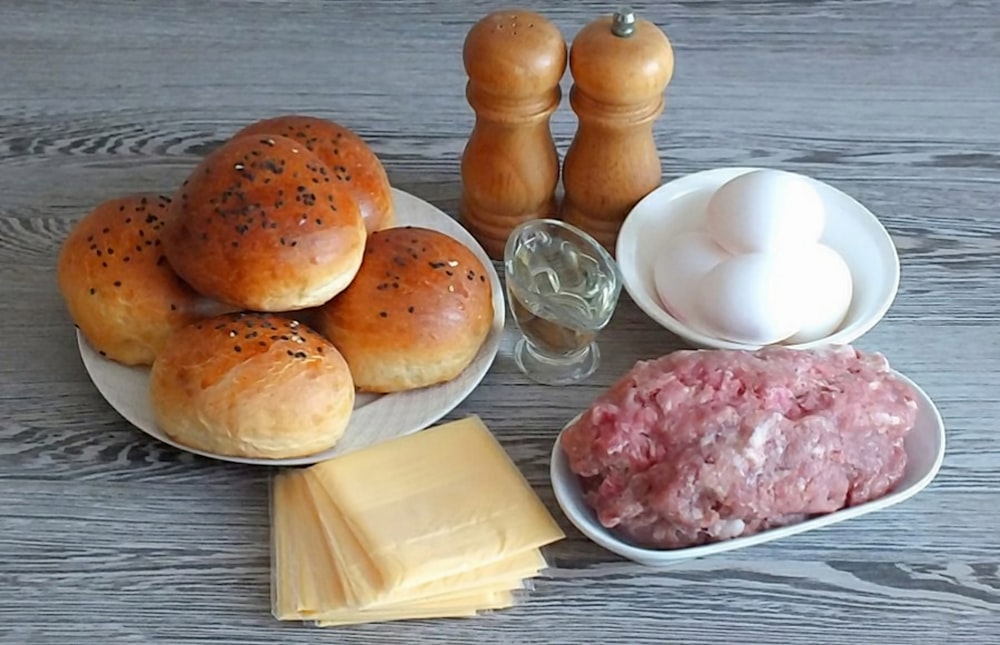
624 22
510 167
621 66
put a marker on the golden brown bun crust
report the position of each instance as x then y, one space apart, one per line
117 285
415 315
251 385
261 224
346 154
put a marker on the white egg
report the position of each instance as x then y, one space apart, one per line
825 292
765 210
750 298
680 265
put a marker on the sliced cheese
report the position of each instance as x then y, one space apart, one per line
498 600
361 579
285 564
311 562
436 504
443 526
357 572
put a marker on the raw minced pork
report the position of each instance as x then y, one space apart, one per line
706 445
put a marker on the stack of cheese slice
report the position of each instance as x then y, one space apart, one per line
435 524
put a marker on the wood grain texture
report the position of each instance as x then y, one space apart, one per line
107 536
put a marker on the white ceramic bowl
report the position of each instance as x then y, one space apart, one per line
925 445
679 206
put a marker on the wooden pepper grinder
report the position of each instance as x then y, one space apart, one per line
510 167
621 66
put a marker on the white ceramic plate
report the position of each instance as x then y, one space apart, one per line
924 451
679 206
375 418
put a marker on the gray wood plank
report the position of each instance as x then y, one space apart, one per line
107 536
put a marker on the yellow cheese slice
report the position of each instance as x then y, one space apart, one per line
441 527
479 604
310 587
364 587
285 565
361 581
311 564
436 504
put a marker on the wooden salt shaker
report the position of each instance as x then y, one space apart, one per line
621 66
510 167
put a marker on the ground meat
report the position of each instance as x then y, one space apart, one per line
700 446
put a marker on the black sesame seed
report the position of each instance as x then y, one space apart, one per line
92 291
237 349
118 283
103 353
383 314
173 307
410 309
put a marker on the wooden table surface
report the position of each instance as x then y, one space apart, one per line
107 536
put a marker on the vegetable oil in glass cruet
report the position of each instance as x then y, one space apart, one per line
563 288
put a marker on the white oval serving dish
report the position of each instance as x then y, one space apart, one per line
925 448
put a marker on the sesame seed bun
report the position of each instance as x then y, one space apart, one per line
251 385
261 224
346 154
415 315
118 287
